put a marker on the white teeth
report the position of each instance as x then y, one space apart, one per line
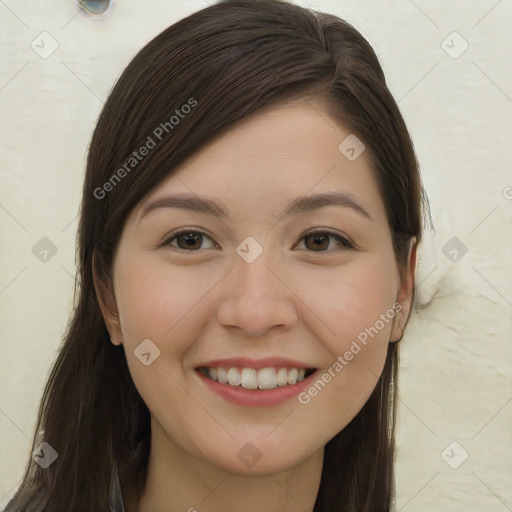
292 376
234 377
267 378
250 378
222 376
282 377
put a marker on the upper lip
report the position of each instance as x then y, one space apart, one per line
244 362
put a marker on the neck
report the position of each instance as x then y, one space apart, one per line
178 482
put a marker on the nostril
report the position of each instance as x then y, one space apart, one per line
94 7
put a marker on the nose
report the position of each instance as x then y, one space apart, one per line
257 298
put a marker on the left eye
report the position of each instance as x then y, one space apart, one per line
190 241
318 239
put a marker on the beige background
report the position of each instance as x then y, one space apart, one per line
455 380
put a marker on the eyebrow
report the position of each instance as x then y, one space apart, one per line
298 206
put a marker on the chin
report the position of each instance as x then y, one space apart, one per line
261 458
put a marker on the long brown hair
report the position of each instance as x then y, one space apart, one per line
232 59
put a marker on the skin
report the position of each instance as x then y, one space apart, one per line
295 300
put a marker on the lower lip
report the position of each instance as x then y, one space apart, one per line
254 397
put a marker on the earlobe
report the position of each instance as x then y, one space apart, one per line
405 294
106 303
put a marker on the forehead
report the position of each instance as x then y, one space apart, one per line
273 157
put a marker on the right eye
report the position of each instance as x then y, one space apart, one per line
186 240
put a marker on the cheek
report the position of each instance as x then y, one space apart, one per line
355 303
356 309
156 302
165 306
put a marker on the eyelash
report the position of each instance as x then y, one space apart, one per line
347 245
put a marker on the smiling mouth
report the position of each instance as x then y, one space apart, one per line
251 378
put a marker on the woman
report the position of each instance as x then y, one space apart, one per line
247 244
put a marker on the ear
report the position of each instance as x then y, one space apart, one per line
107 303
405 294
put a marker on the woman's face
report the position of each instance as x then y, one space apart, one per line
265 294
